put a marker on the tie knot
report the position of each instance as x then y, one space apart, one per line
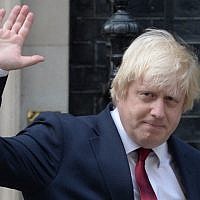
143 153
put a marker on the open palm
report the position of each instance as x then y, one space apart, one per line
12 36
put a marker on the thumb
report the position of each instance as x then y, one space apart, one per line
31 60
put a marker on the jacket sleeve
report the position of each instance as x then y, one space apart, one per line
31 160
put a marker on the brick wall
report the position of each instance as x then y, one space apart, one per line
88 60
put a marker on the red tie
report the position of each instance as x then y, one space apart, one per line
145 188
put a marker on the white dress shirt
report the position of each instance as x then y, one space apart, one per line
3 73
157 165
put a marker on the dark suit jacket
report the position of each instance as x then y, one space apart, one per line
60 157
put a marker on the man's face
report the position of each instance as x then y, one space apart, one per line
149 114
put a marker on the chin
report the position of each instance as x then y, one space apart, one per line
150 142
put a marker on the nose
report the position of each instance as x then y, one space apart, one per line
158 108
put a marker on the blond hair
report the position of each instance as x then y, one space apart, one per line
157 56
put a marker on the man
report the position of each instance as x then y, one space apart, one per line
96 157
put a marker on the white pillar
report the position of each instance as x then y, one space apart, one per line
10 109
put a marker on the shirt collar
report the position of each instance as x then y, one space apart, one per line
162 154
130 146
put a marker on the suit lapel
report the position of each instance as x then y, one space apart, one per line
189 171
111 158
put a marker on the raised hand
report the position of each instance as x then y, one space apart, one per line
12 36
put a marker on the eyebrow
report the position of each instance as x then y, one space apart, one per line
166 93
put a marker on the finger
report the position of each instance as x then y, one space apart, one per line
31 60
24 30
2 14
20 19
11 18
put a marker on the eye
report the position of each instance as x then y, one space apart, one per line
146 95
171 100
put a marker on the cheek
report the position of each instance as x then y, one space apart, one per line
128 116
136 114
174 120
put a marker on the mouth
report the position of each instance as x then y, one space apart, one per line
154 125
